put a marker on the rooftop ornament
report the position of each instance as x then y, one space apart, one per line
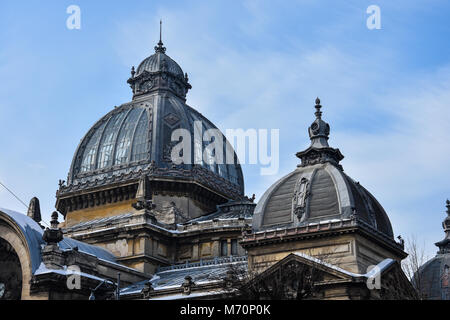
160 47
53 235
444 245
319 150
34 210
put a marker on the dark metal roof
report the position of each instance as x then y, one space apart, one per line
203 272
435 278
136 137
159 62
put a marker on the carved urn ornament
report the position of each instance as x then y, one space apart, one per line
53 235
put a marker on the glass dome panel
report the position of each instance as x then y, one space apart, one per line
125 138
108 139
140 142
88 160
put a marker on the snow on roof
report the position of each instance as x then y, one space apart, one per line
370 274
33 234
67 271
170 279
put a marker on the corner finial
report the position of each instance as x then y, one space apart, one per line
448 206
318 113
54 234
159 47
54 222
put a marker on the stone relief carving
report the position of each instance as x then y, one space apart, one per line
299 200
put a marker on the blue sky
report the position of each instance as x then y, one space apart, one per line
252 64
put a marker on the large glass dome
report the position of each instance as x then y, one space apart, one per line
125 139
135 138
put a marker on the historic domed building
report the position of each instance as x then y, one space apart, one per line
180 230
433 278
128 207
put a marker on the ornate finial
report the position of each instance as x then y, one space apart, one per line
318 113
159 47
54 222
319 150
133 71
448 206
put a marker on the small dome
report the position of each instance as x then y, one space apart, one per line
159 61
319 191
317 194
159 73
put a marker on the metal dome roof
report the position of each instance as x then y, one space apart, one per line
157 62
319 191
135 139
317 194
137 136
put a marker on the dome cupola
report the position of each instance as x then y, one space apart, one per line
319 151
159 72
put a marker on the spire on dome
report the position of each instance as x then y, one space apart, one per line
319 129
319 151
318 113
160 47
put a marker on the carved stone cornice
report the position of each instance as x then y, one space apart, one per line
113 188
353 225
312 156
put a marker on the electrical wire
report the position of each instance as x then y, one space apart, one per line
26 206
